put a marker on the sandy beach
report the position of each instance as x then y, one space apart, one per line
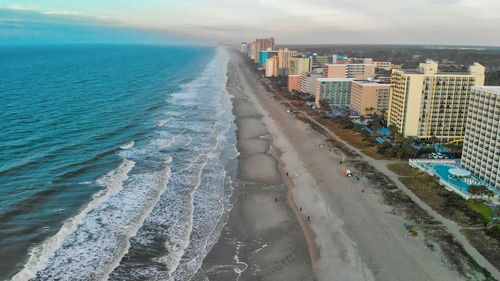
295 216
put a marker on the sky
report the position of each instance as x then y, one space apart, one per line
453 22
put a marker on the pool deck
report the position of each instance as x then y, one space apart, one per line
421 164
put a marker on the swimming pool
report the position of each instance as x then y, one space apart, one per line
441 169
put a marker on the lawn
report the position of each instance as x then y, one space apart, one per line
484 211
404 170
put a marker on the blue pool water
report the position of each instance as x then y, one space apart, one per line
442 171
114 160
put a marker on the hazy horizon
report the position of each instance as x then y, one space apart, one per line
291 22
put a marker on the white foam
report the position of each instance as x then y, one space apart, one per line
127 146
133 231
39 255
162 122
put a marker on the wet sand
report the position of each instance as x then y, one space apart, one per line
262 239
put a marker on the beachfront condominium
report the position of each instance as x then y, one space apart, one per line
298 65
260 45
359 71
426 103
264 55
283 56
271 67
335 91
368 97
481 149
308 82
293 83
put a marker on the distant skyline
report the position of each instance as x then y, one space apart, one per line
454 22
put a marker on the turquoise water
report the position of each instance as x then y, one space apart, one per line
442 171
113 160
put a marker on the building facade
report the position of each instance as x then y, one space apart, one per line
360 71
283 56
271 67
335 91
298 65
293 83
425 103
308 82
264 55
264 44
368 97
481 149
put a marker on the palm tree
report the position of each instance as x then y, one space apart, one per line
489 193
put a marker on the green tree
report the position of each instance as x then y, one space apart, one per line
324 104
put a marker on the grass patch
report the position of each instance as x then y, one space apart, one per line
372 152
447 203
484 211
404 170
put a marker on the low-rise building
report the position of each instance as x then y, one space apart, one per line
368 97
481 149
335 91
293 83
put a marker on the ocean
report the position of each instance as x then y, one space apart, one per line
116 161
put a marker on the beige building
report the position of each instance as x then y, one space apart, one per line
293 83
263 45
271 67
368 97
386 65
481 150
359 71
283 56
425 103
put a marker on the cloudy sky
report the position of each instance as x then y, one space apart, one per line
473 22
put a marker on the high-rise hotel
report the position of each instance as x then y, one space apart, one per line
425 103
481 150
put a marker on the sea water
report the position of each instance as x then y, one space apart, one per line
115 161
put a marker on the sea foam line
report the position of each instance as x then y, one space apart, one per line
165 178
39 255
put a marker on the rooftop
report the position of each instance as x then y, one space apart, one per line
370 83
489 89
334 79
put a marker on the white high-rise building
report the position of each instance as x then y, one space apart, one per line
481 150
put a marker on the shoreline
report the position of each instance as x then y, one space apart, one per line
262 238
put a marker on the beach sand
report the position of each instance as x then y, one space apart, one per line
262 239
351 235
